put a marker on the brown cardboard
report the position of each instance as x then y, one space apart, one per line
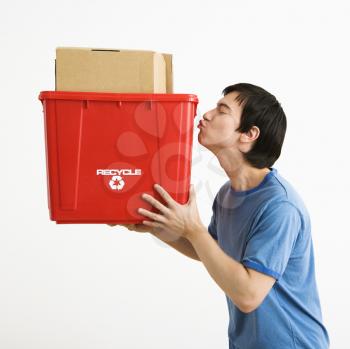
113 70
169 72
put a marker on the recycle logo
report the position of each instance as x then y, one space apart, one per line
120 183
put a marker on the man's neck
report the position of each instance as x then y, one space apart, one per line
247 178
242 175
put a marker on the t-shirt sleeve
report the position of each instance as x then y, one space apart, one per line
272 239
212 224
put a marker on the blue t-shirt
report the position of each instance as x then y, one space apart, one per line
267 228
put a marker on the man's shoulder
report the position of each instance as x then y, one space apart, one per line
290 194
276 190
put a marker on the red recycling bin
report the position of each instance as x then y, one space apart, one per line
103 150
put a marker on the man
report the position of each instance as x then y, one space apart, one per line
258 246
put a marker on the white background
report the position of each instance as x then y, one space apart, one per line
93 286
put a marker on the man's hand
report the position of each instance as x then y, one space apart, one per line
140 228
180 220
161 233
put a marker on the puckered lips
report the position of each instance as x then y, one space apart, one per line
201 124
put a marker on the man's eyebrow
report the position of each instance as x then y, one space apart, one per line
222 104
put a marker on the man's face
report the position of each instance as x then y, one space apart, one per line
219 124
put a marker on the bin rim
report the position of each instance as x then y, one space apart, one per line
116 97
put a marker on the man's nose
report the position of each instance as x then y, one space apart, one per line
207 116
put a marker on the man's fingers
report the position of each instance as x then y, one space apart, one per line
159 206
138 227
128 226
164 194
152 215
123 225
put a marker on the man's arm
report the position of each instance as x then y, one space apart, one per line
246 287
182 245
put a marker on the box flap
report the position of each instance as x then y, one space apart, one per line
169 72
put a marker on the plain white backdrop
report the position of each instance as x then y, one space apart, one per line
93 286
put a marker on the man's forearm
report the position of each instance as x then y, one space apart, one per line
230 275
182 245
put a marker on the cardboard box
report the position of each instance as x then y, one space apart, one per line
113 70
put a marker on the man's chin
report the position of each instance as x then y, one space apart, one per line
202 142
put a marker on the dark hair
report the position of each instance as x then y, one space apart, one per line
261 109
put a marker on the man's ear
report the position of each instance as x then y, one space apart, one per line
251 135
